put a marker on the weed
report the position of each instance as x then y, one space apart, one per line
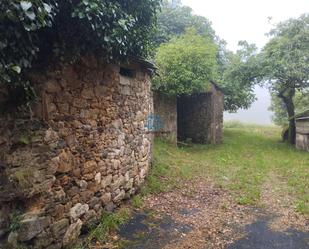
137 201
302 207
109 222
25 177
15 221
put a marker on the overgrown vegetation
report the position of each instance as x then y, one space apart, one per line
109 222
186 64
187 67
174 20
249 157
32 30
237 76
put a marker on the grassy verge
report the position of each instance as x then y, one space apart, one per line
248 156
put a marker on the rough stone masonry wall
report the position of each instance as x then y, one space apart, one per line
165 110
217 109
200 117
194 117
82 148
302 134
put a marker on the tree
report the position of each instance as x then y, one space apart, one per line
238 72
286 64
186 64
280 116
31 30
174 20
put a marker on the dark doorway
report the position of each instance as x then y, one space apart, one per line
194 118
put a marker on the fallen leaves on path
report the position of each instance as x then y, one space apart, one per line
276 201
215 220
212 215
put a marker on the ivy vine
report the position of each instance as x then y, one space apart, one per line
31 30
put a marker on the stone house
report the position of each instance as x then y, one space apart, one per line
82 148
197 118
302 131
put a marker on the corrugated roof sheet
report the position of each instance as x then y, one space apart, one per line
302 116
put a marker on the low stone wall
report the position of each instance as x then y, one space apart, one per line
302 134
165 117
82 148
302 142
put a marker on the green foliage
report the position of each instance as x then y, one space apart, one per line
24 139
175 29
303 207
175 20
15 219
286 55
280 116
109 222
19 23
186 64
24 177
238 76
154 184
137 201
285 63
33 30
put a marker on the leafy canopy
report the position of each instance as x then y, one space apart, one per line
186 64
239 71
31 30
286 55
174 20
286 64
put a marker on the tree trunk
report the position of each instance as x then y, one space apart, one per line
292 126
288 101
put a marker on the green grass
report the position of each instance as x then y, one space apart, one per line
109 222
137 201
249 155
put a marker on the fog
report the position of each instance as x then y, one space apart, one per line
248 20
258 113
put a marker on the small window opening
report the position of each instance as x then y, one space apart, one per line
127 72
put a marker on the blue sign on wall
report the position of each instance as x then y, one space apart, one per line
153 123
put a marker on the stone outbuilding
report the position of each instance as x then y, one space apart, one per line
81 148
197 118
302 131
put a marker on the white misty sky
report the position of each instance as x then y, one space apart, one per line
235 20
